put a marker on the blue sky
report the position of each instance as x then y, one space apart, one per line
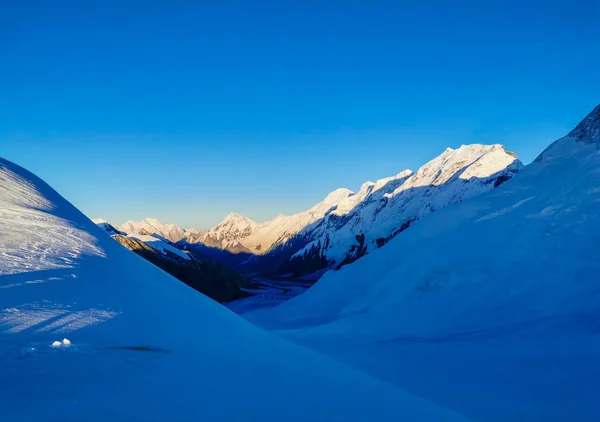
186 111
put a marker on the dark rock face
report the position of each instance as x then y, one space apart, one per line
588 130
109 228
355 252
501 179
383 240
200 272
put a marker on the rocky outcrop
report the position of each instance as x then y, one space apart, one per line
199 272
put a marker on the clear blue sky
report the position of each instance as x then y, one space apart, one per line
188 110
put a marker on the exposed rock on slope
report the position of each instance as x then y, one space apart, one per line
106 226
201 273
193 268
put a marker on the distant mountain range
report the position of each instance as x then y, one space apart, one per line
150 226
192 267
346 225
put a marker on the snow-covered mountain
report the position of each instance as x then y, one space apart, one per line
106 226
151 226
90 331
156 241
386 208
490 306
193 268
346 225
241 234
361 222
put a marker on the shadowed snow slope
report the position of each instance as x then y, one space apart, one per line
145 346
490 307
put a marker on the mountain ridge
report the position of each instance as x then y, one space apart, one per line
361 221
244 243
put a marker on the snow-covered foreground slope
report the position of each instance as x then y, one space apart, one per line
490 307
143 345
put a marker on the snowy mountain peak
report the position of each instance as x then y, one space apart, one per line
235 217
404 173
106 226
331 202
237 233
151 220
369 187
467 161
152 226
588 130
337 195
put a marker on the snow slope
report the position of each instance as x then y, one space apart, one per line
150 226
490 307
143 345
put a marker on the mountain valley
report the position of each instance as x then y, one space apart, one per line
467 290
